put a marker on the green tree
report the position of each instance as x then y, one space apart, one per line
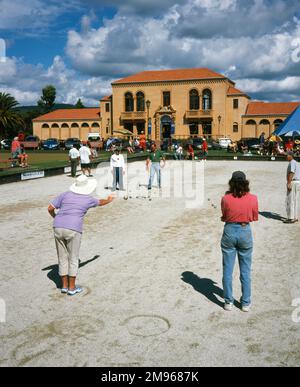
79 104
47 101
10 119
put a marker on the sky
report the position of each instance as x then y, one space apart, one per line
82 46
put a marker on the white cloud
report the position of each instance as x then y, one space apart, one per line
25 82
32 14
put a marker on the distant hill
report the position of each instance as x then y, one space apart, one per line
25 109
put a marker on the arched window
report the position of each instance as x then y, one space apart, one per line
194 100
140 102
45 126
65 126
235 127
54 126
206 99
277 123
85 125
74 125
264 122
129 105
95 125
250 122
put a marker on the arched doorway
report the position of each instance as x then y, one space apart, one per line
166 127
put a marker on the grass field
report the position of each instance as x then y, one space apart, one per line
52 159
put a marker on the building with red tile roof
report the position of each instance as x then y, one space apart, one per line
181 103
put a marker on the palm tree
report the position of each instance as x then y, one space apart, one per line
10 119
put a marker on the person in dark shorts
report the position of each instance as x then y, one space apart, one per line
85 159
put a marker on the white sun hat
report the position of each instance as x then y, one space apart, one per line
83 185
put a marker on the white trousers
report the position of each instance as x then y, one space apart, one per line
291 201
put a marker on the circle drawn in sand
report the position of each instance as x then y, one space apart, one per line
147 325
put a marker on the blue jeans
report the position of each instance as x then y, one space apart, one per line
155 169
237 241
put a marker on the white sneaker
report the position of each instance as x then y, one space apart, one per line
246 308
228 307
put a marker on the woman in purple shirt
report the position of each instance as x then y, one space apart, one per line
68 224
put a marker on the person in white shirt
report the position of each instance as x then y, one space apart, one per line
85 159
179 152
293 187
74 158
117 165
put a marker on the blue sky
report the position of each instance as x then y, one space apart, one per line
82 46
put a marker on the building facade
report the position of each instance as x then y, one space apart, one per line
170 103
68 123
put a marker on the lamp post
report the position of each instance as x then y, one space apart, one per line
148 103
219 120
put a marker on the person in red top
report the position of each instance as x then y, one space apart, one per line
239 209
15 151
204 148
143 143
289 146
191 152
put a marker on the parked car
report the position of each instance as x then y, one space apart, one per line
224 142
95 141
32 142
252 143
51 144
70 142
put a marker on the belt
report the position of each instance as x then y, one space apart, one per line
243 224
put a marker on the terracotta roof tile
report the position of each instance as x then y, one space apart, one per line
71 114
271 108
234 91
106 98
170 75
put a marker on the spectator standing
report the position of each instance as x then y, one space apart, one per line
204 148
239 209
117 165
74 157
293 187
154 159
85 159
15 150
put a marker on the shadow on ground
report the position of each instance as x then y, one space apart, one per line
271 215
53 274
206 287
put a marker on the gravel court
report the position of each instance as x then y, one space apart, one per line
152 278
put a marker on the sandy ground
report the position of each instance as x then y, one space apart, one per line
152 277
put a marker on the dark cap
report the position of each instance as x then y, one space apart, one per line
238 176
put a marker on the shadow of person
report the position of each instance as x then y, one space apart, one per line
54 276
271 215
205 286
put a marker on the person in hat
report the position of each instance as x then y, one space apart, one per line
293 187
68 211
239 209
117 165
85 158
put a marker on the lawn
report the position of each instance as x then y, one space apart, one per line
43 160
52 159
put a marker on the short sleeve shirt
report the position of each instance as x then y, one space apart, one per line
72 209
294 167
74 153
156 156
85 154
